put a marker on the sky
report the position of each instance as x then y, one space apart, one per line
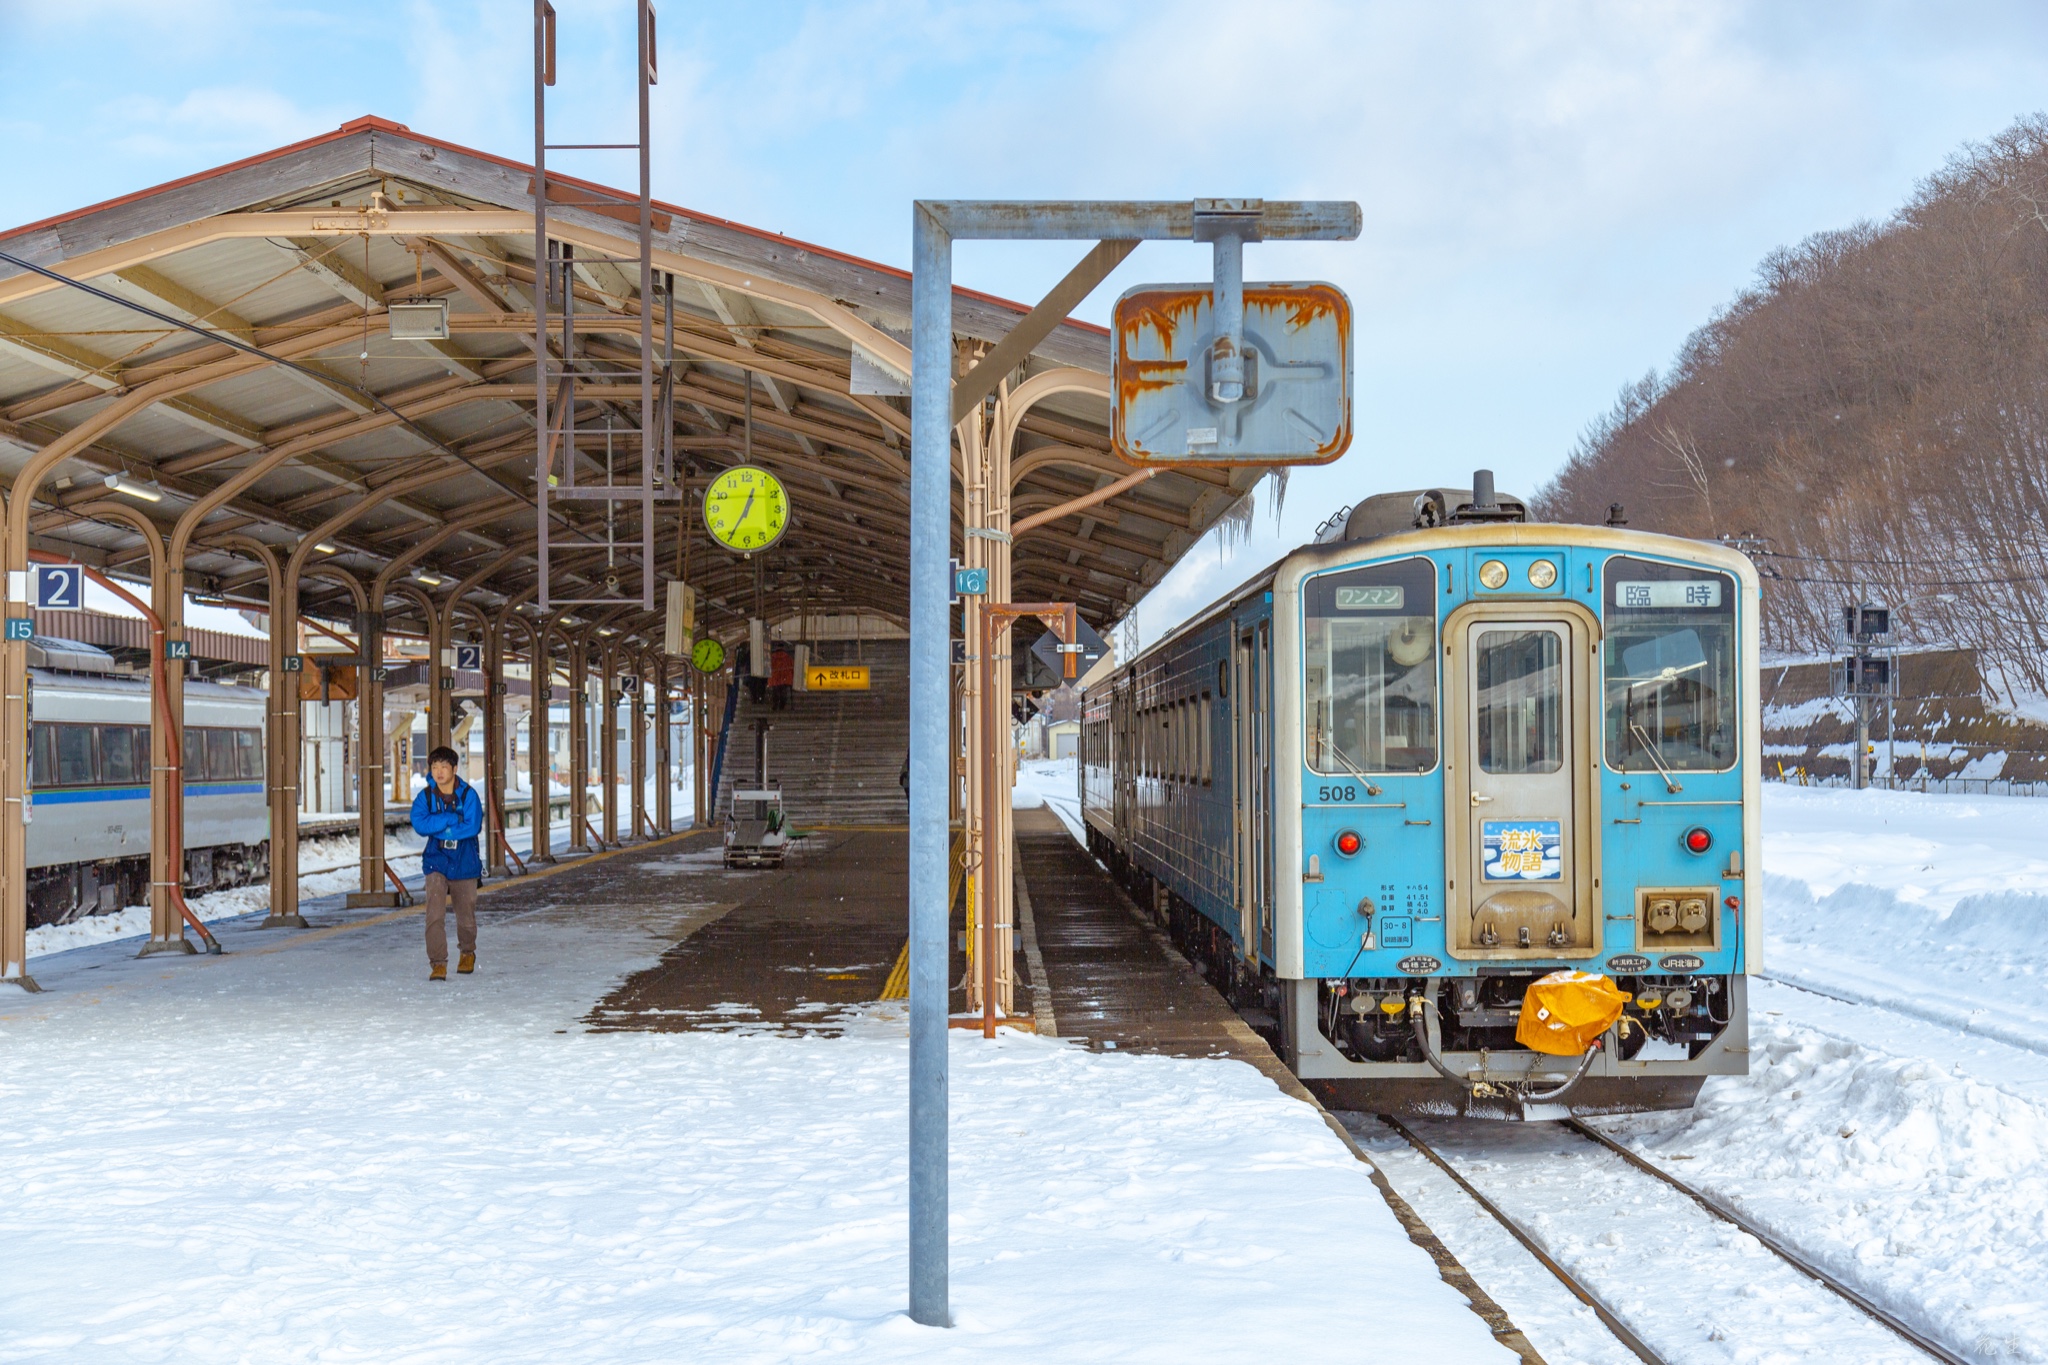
1554 194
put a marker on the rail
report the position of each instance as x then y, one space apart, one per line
1785 1253
1712 1206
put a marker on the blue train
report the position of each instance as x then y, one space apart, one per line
1380 790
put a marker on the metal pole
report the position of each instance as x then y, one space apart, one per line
992 624
931 516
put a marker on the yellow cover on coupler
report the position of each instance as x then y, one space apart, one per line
1564 1012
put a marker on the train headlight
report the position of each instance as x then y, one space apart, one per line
1493 574
1542 574
1697 840
1348 843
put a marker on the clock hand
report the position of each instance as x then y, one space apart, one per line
745 508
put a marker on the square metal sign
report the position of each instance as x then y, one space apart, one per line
59 587
1296 407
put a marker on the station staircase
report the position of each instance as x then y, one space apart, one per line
838 756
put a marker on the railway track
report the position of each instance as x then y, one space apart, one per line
1631 1335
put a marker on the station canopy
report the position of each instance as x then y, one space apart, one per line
381 446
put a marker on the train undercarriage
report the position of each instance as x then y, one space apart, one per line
1440 1046
74 891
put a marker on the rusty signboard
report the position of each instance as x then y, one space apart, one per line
1172 404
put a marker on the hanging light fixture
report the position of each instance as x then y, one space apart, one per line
121 483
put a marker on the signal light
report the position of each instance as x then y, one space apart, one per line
1348 843
1697 840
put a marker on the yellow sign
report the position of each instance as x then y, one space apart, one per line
836 677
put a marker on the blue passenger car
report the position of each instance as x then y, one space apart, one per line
1385 786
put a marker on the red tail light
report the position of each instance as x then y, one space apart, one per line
1698 840
1348 843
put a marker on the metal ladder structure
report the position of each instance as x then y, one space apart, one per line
559 370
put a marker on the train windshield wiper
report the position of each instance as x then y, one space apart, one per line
1371 788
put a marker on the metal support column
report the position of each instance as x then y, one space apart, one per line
664 748
579 749
497 761
608 742
371 889
541 675
636 753
931 543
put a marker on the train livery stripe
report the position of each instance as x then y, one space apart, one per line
80 795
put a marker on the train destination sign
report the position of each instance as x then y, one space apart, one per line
1390 597
836 677
1677 592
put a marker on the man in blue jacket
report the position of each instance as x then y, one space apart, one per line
449 815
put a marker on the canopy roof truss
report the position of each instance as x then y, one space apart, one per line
300 253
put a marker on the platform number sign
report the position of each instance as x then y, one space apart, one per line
469 658
628 686
294 663
177 649
21 628
60 587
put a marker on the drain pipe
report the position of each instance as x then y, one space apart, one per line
175 739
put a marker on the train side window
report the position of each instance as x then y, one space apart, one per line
42 766
74 755
117 756
1370 668
195 754
249 753
1208 745
220 755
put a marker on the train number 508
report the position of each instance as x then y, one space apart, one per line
1344 793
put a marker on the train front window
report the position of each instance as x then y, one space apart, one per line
1670 667
1521 700
1370 676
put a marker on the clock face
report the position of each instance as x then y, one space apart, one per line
746 509
707 656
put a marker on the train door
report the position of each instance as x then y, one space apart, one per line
1520 875
1254 773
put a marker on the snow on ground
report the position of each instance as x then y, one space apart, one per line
306 1151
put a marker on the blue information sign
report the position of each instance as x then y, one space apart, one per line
60 587
21 628
469 658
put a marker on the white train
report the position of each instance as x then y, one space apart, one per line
88 813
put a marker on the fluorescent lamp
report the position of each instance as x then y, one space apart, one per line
432 580
326 549
121 483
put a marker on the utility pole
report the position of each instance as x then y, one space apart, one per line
1866 674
